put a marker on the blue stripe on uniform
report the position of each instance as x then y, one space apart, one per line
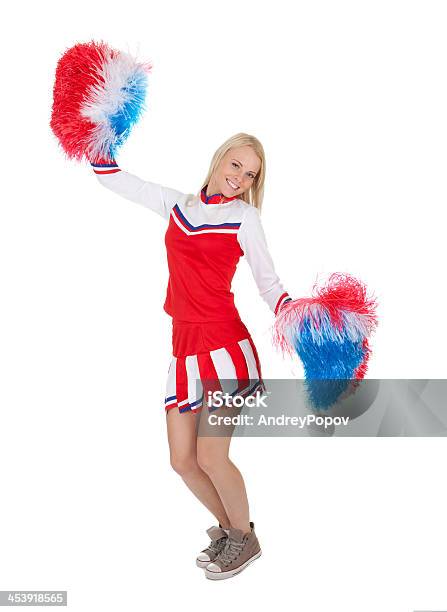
205 225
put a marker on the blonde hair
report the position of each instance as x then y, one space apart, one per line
255 194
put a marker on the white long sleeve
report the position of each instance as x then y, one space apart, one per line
251 238
151 195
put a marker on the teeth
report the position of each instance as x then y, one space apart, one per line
232 184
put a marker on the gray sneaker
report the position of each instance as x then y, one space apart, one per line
239 551
218 538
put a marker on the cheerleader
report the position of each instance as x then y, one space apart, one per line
98 95
206 236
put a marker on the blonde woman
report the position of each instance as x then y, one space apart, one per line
205 238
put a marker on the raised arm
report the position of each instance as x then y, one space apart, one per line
252 240
151 195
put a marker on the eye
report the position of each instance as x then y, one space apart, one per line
252 176
235 164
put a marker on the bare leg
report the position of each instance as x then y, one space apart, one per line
212 456
182 438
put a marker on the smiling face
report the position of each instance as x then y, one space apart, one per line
235 173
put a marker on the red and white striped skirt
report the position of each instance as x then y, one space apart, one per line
197 366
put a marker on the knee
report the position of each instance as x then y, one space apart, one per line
183 464
208 460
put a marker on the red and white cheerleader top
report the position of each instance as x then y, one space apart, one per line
204 240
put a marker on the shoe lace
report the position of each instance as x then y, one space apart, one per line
231 551
217 545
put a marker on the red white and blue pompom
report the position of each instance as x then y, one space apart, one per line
330 333
99 94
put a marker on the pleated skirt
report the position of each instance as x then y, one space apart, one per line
211 357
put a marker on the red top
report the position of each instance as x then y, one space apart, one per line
201 266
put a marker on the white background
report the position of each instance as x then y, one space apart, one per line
349 100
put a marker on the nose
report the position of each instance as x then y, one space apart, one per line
239 177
